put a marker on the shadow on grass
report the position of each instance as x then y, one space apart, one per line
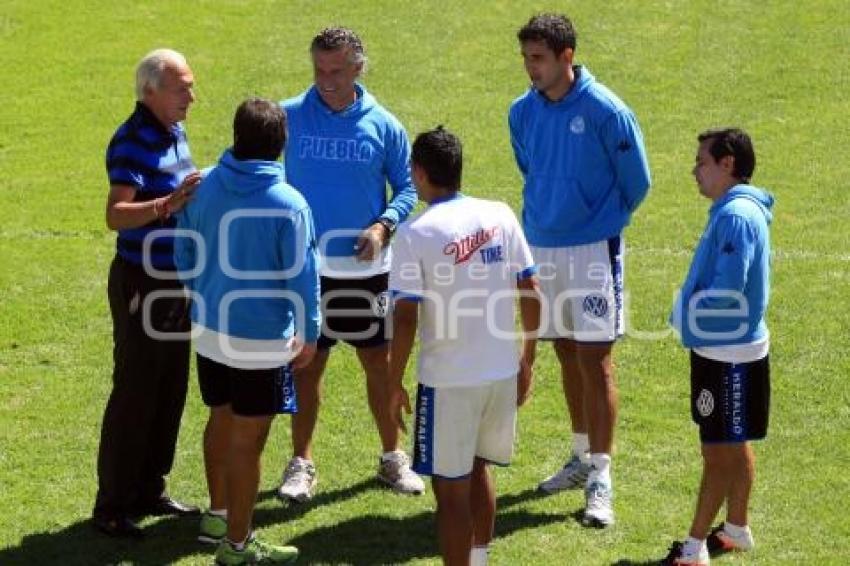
367 540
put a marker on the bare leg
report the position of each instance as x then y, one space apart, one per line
483 503
216 445
600 394
374 362
743 473
571 380
308 387
454 520
247 439
714 487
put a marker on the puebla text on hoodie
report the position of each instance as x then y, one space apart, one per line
341 163
583 163
724 297
269 253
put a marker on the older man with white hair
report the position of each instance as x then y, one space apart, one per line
151 176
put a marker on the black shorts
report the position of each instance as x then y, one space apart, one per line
730 402
250 392
354 311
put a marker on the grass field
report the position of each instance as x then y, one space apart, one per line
778 68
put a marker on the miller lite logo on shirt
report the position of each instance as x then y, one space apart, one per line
463 248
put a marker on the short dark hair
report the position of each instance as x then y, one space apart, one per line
259 130
735 142
440 154
556 30
333 38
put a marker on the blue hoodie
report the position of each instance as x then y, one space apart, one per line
276 235
341 162
724 297
583 163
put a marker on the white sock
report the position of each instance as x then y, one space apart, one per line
478 556
581 446
218 513
694 547
386 456
600 468
735 531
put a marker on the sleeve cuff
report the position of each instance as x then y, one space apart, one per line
526 273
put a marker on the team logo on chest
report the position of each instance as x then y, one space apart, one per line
463 248
577 125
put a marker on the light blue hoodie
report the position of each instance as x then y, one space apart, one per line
341 162
583 163
275 235
724 297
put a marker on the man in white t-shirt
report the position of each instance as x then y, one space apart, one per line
457 271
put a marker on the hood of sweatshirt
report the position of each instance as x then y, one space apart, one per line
244 177
364 103
762 198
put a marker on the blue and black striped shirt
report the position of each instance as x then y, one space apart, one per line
154 159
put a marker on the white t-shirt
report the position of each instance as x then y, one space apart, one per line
461 258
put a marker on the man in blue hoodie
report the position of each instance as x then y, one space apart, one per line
580 151
719 315
248 257
345 149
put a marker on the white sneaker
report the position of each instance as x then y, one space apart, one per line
598 509
720 541
299 481
395 472
572 476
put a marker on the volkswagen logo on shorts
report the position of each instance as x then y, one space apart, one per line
382 301
705 403
595 305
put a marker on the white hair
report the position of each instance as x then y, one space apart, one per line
150 68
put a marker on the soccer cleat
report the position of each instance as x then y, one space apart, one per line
395 472
598 508
572 476
677 556
720 542
212 528
254 552
299 481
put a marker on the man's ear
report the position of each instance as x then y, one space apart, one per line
567 56
727 162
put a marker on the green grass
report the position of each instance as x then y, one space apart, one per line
778 68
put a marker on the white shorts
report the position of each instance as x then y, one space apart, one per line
454 425
582 291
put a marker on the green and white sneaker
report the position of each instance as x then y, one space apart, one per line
254 552
212 528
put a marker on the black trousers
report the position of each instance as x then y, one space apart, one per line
149 381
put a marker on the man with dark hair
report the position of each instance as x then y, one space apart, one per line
471 375
151 176
345 149
584 167
719 315
248 258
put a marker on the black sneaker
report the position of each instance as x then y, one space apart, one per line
676 557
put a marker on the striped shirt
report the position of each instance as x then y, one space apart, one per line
153 159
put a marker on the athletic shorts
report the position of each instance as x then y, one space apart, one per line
582 291
250 392
354 311
454 425
730 402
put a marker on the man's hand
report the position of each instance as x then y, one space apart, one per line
524 380
399 403
304 356
371 241
184 193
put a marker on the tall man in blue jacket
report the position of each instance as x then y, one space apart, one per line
345 148
249 259
719 315
584 167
